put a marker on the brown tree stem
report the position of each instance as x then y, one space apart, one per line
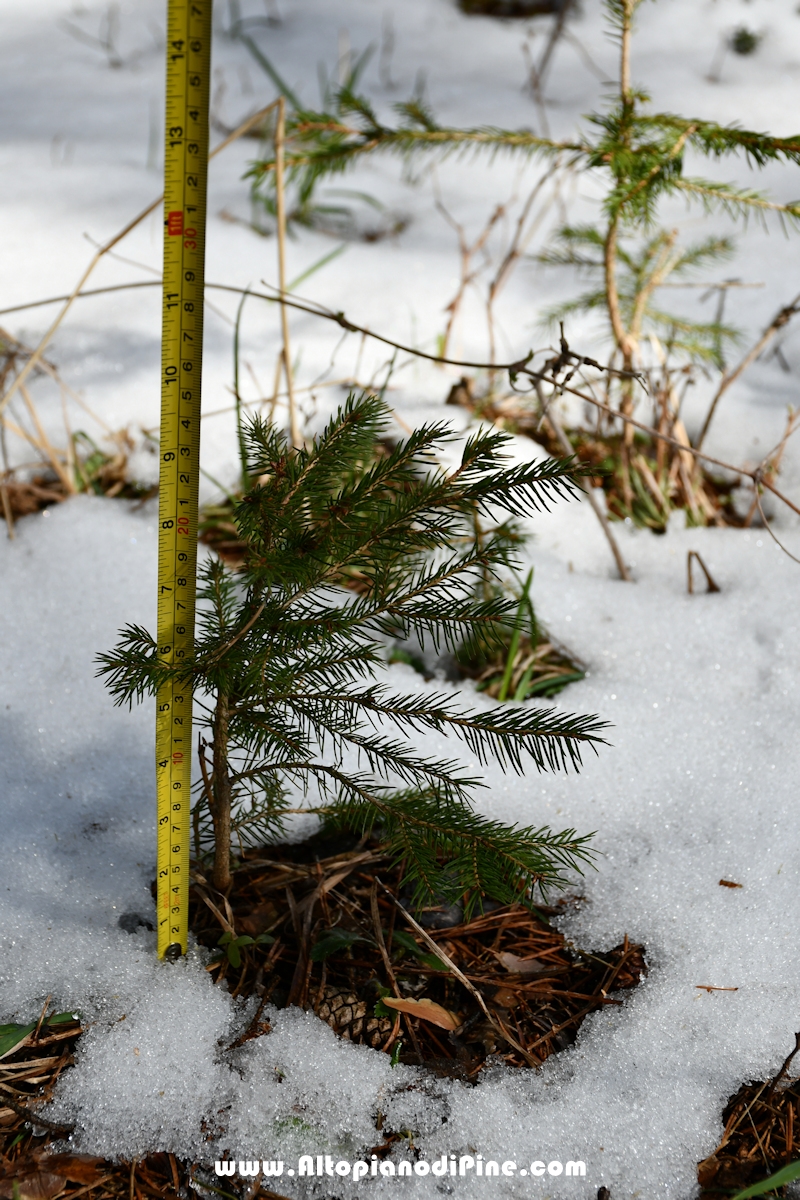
621 336
222 793
612 295
625 53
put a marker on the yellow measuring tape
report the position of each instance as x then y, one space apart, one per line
185 172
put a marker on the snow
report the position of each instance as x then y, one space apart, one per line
698 783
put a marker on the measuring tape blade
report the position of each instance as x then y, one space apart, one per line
185 171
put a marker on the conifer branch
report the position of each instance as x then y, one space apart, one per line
734 201
717 140
287 657
328 145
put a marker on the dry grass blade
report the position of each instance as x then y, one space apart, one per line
437 950
53 456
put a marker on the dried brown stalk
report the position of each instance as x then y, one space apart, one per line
467 252
588 491
711 586
280 205
781 319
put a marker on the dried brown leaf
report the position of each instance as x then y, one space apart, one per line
77 1168
35 1185
522 966
506 998
427 1010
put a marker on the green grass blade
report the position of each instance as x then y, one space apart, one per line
269 70
237 395
524 683
784 1176
515 636
317 266
12 1037
549 687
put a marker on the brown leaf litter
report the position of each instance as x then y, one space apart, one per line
761 1135
524 995
350 946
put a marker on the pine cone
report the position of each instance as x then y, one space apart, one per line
347 1016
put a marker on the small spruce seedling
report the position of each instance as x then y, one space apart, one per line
287 660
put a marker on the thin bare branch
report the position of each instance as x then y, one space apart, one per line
781 318
517 368
104 249
605 525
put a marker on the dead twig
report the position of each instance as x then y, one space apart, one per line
781 318
227 925
711 586
32 1117
467 253
538 71
588 491
784 1069
771 531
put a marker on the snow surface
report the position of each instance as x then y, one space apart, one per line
699 783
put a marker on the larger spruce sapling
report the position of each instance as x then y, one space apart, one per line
637 156
287 661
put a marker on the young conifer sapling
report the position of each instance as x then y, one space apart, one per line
348 552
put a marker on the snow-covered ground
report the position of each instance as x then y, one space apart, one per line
699 783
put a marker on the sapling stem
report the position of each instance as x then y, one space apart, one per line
222 795
625 52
